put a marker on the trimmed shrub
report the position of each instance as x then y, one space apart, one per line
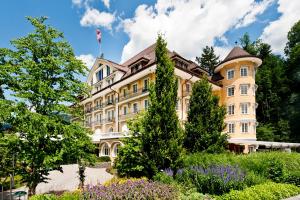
103 159
269 190
140 189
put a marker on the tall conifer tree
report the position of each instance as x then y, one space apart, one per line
162 138
205 120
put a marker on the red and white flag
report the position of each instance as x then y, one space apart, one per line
98 35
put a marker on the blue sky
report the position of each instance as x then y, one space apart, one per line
128 26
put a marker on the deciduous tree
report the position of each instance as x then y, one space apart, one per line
43 73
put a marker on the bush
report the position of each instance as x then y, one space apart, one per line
116 180
269 190
103 159
140 189
65 196
216 179
164 178
293 178
259 162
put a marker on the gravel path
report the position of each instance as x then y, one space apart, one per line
68 180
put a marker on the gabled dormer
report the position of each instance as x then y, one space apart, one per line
104 73
139 64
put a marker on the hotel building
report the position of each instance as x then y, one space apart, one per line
120 91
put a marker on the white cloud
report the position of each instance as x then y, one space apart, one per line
188 26
106 3
257 8
93 17
87 59
77 2
275 33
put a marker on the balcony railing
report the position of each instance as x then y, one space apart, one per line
110 135
133 94
128 115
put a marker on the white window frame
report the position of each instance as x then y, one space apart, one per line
244 110
242 73
227 73
133 108
241 89
228 88
125 110
146 86
146 104
230 109
133 86
244 127
231 127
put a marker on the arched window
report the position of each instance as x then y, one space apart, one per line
105 150
111 129
116 149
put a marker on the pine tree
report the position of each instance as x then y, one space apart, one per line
208 59
205 120
162 138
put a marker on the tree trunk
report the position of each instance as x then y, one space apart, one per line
32 190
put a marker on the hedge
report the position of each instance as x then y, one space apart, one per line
269 190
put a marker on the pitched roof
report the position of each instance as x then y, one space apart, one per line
236 52
148 53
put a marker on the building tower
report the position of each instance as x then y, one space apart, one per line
237 76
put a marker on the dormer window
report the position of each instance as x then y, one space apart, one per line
135 68
99 75
107 70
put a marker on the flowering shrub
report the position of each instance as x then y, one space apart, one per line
139 189
116 180
216 179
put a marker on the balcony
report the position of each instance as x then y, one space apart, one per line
133 94
88 110
128 115
111 135
99 107
109 103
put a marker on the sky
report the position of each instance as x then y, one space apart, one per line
129 26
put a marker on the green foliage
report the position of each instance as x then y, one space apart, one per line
276 170
157 136
162 134
103 159
292 177
65 196
213 179
41 70
208 59
131 161
269 190
164 178
292 51
258 163
272 93
205 121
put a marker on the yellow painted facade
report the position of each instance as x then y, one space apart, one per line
108 109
